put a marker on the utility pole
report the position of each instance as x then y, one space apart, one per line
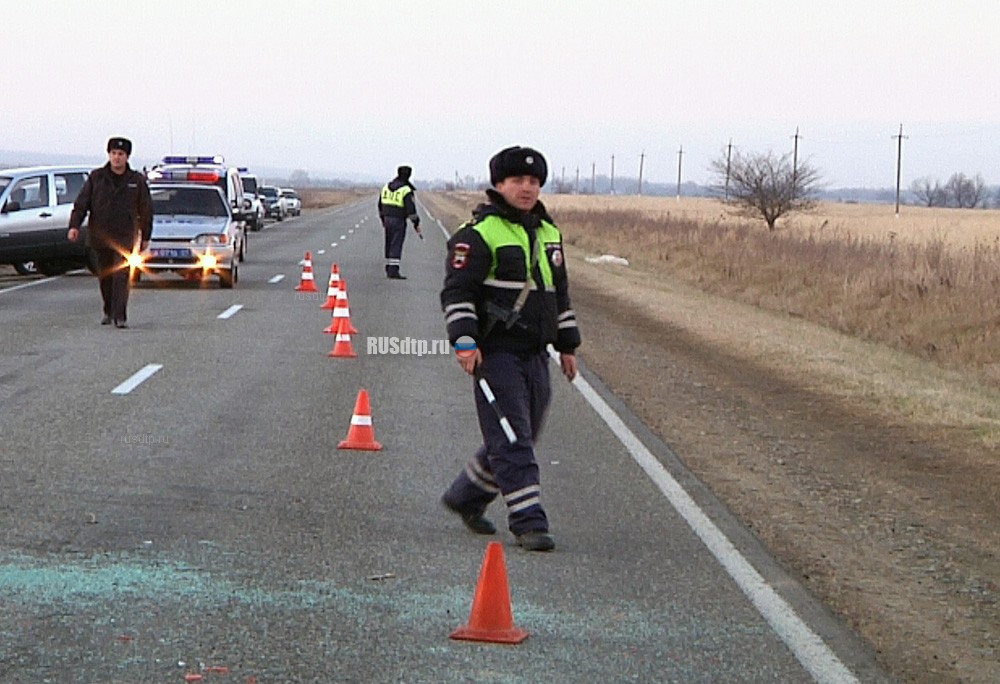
795 163
576 187
729 162
612 174
562 181
680 154
593 178
642 158
899 163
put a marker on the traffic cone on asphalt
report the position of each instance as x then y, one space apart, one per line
342 347
362 433
491 618
332 288
343 312
307 283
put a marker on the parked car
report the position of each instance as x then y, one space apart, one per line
213 171
292 201
275 205
35 204
255 215
196 234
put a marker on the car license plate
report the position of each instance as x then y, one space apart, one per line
170 252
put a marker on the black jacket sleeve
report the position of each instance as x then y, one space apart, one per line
568 334
410 206
467 267
144 213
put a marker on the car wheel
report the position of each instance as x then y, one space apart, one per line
243 249
229 276
25 268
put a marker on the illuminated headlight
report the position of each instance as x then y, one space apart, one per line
208 261
135 260
212 239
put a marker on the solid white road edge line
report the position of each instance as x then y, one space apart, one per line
808 648
137 379
276 279
228 313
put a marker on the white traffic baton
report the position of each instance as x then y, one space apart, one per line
491 398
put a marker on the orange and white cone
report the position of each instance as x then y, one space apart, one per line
361 434
332 288
307 283
342 313
342 347
491 618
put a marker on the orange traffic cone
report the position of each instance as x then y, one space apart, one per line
342 347
491 619
342 313
362 432
307 283
332 288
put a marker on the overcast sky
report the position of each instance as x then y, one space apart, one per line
359 87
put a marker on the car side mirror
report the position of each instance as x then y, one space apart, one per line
247 204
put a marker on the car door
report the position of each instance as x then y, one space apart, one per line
27 220
66 186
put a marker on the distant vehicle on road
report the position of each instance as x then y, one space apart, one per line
196 234
35 204
275 205
292 201
255 215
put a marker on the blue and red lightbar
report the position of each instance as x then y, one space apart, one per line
193 175
217 159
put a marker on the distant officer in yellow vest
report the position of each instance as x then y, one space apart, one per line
505 298
395 205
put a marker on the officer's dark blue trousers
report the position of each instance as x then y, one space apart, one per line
520 383
395 233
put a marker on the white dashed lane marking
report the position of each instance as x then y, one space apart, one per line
231 311
137 379
277 279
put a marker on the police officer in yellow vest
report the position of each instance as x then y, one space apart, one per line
506 298
395 205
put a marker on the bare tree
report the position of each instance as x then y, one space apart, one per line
964 192
929 192
766 186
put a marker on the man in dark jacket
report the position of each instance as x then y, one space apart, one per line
395 205
121 213
506 298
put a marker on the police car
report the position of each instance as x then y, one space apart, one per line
207 169
195 235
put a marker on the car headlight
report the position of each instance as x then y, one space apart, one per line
212 239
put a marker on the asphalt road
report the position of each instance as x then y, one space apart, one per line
201 519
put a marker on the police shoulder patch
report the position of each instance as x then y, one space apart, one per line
460 254
556 256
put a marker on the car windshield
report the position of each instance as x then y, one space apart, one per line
188 202
269 192
250 185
